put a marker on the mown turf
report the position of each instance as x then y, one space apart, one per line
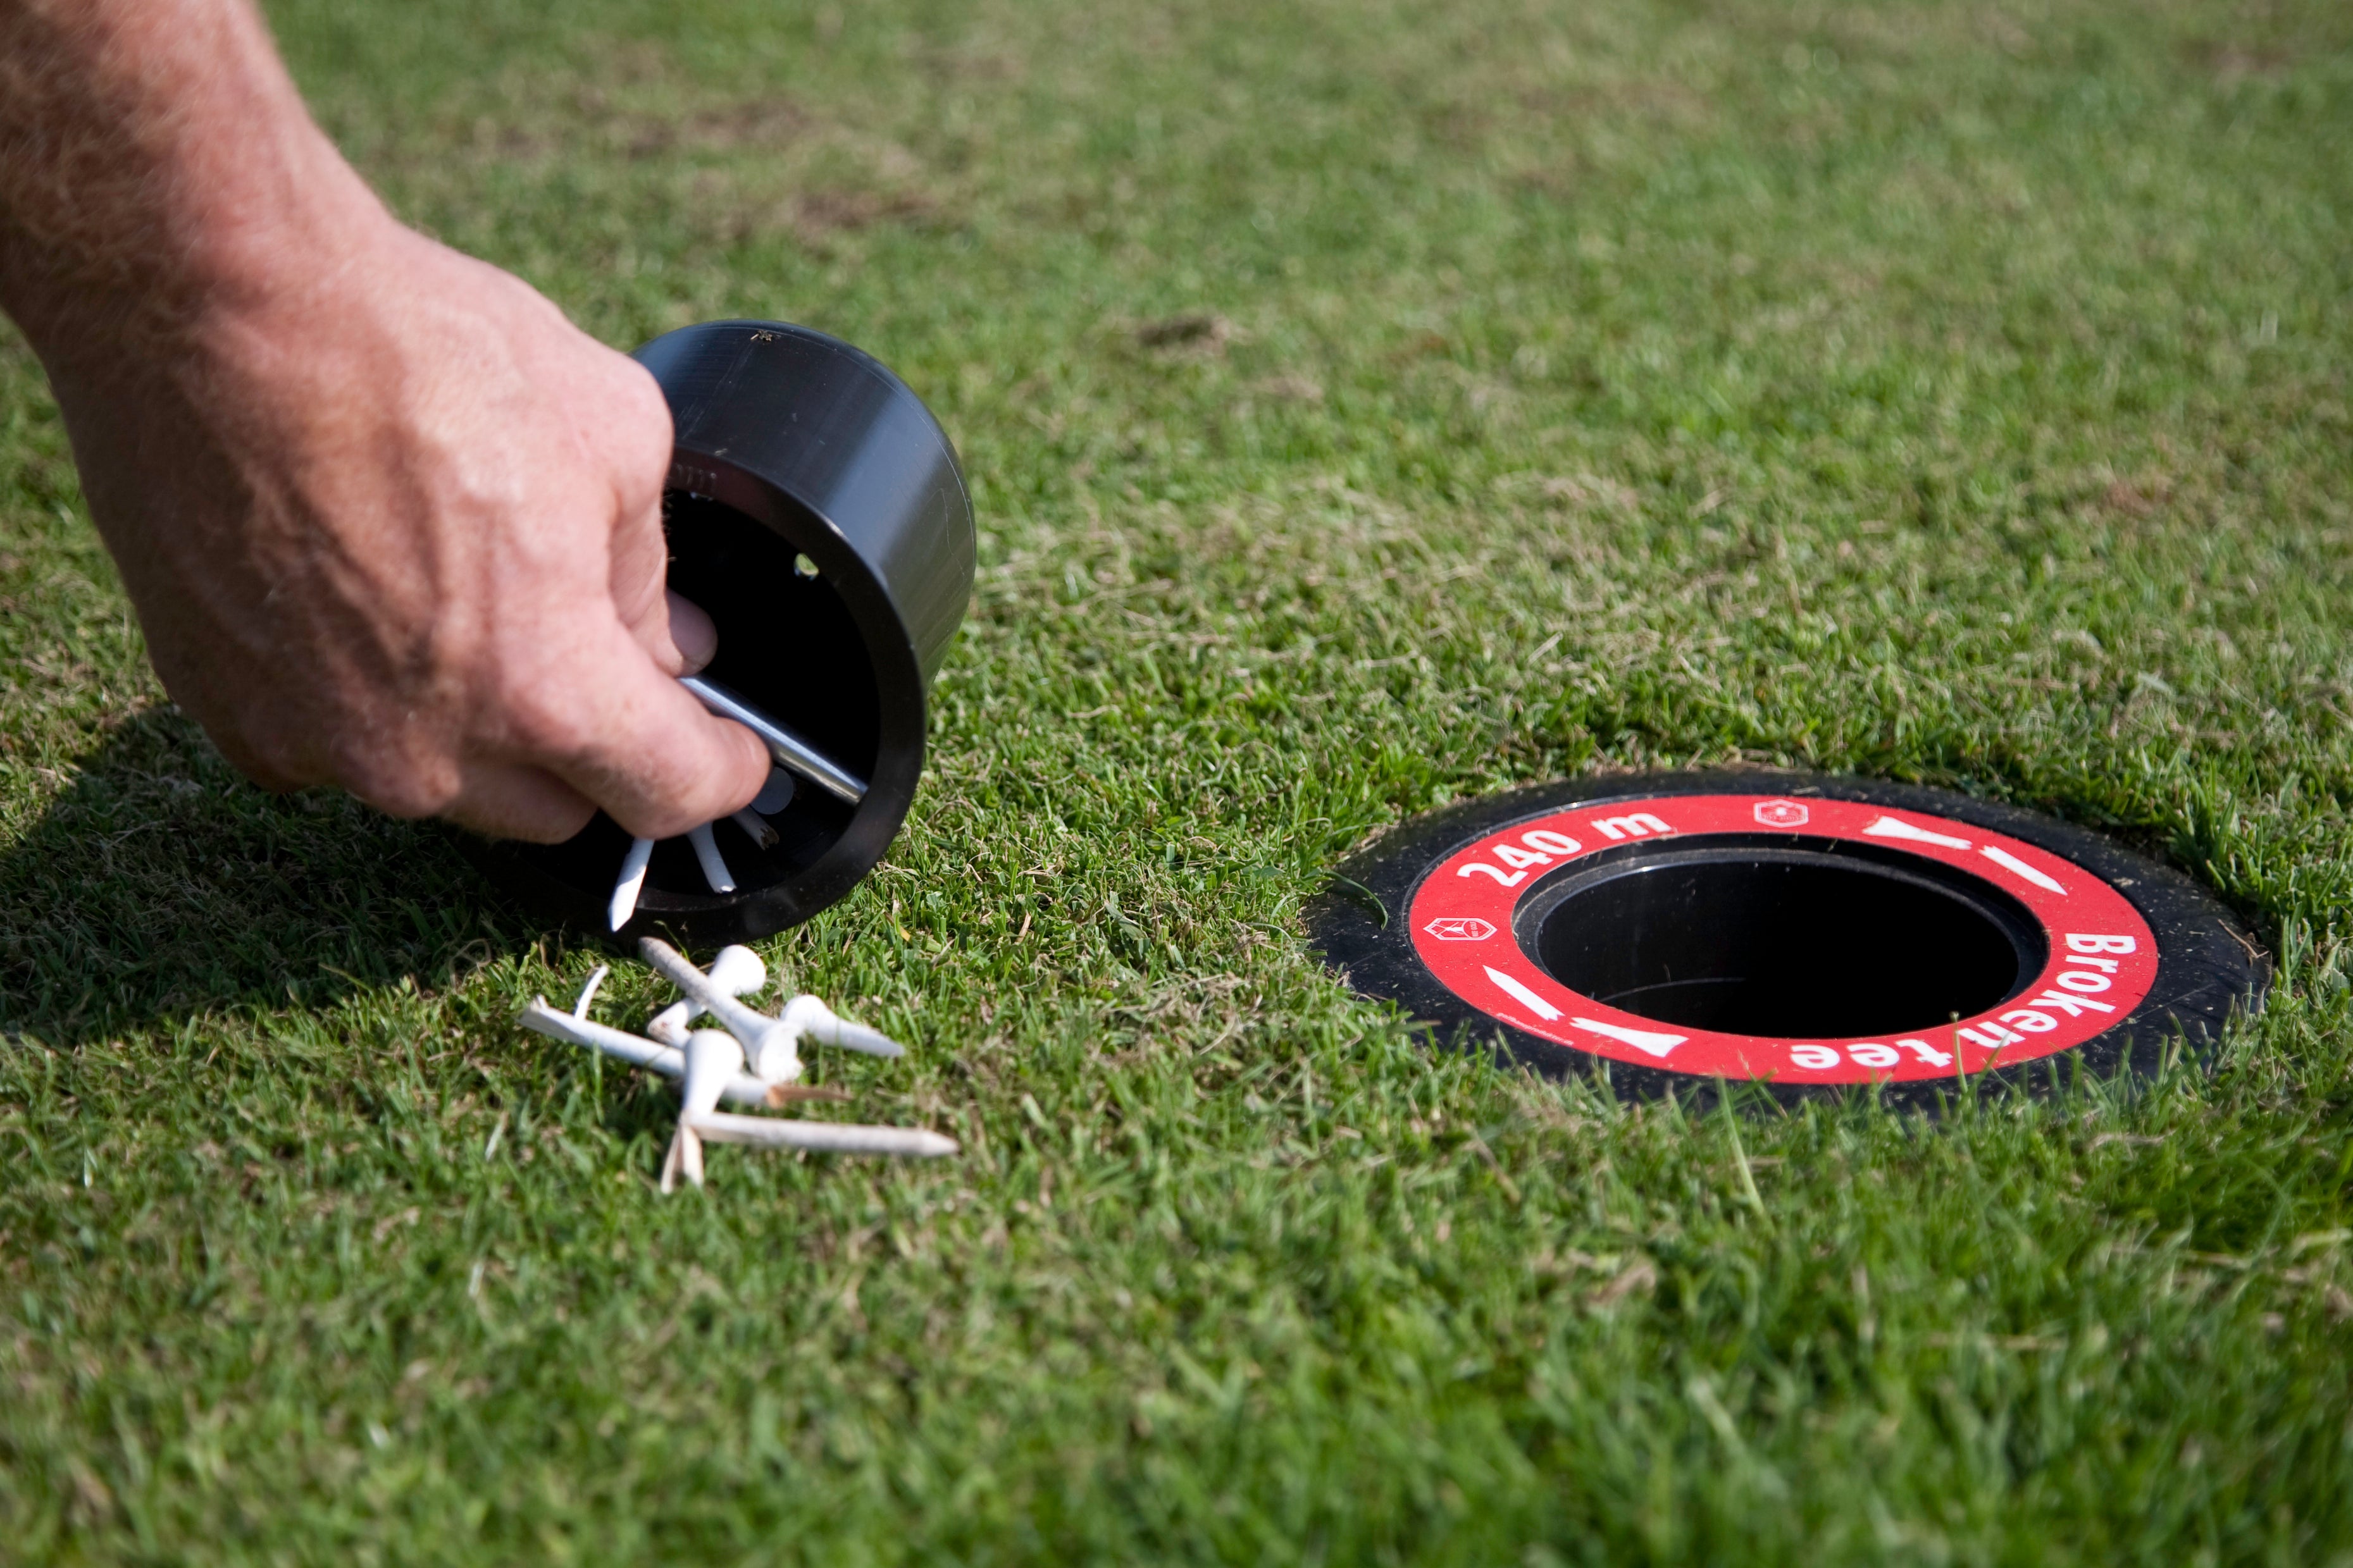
1366 407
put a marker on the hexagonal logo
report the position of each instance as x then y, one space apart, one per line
1469 929
1781 814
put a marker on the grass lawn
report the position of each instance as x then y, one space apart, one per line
1367 407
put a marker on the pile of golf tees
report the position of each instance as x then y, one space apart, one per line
710 1065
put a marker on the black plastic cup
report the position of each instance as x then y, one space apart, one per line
817 511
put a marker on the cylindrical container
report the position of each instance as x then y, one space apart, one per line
817 511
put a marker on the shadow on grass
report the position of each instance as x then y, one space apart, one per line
160 884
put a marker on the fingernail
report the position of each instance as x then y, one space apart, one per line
691 632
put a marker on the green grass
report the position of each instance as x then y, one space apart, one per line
1937 391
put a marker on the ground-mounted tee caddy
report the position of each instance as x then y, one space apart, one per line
817 511
1805 932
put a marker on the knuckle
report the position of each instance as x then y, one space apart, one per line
647 437
640 396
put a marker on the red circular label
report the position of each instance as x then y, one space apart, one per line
2103 954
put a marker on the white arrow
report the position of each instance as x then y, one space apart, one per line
1889 828
1526 997
2004 858
1640 1039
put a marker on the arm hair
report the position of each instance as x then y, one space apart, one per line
152 153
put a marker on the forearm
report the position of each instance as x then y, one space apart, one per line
155 160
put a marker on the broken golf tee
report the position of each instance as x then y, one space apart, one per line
710 1067
736 970
652 1054
712 1058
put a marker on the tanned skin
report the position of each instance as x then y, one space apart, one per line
389 520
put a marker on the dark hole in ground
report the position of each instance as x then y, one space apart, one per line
1815 942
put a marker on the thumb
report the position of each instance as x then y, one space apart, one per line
642 748
693 633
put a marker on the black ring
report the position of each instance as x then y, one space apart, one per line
2208 968
792 450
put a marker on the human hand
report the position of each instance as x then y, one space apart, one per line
391 522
